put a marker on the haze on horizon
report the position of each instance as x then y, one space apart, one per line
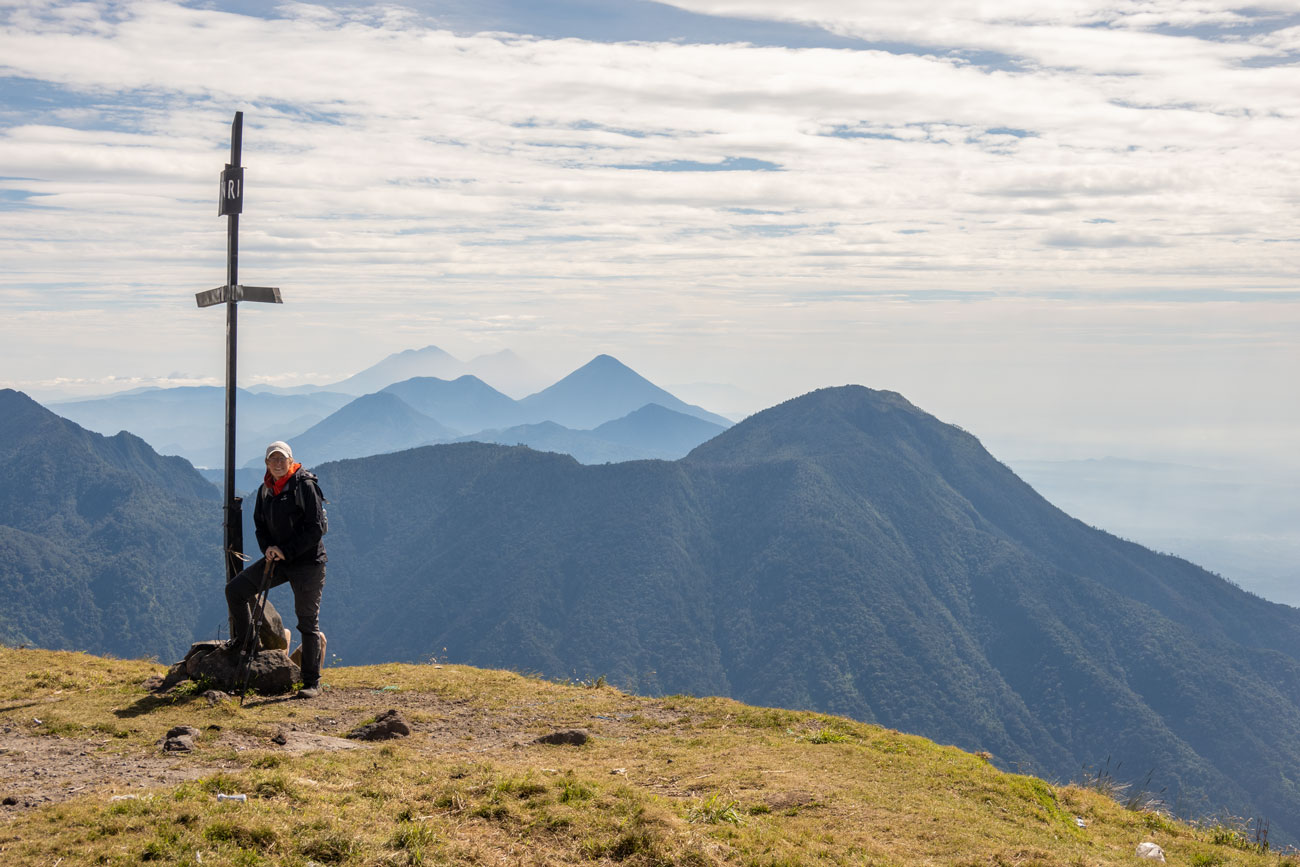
1071 229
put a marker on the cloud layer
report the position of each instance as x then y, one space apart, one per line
1023 195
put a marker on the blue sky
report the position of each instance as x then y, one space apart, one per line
1072 228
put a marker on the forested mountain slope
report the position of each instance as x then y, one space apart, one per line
104 545
843 551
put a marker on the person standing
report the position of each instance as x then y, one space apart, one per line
289 517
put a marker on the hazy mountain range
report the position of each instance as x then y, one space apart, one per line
418 410
505 369
649 432
190 420
1241 525
843 551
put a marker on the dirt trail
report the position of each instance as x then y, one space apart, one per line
36 770
41 769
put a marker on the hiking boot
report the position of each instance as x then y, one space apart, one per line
309 691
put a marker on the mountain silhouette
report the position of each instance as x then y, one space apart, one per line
429 361
370 425
547 436
658 432
650 432
601 390
104 545
190 420
504 369
466 403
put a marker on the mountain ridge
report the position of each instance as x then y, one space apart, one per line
843 551
103 543
848 552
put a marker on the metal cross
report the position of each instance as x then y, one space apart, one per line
230 205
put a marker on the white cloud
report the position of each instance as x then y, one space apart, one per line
412 185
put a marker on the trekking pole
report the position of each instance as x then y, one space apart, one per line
251 639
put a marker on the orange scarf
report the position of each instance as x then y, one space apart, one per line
278 486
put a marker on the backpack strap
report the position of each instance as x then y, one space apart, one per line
307 476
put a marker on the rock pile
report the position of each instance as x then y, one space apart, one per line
270 671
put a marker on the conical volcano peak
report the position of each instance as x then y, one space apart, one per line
605 365
602 390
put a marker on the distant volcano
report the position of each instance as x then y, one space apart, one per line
603 389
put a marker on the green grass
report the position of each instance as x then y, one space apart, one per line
826 736
695 781
715 809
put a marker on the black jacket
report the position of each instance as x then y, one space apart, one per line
295 530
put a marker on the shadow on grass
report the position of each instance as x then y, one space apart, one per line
263 700
150 703
9 707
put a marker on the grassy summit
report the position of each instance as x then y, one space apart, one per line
675 780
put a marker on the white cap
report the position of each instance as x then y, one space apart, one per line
281 447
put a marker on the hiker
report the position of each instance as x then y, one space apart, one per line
289 517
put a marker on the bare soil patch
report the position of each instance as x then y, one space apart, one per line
41 769
37 770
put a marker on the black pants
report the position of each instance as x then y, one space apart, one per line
308 583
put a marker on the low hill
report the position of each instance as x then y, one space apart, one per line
678 780
651 432
659 432
583 446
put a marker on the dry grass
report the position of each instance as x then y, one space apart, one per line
663 781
